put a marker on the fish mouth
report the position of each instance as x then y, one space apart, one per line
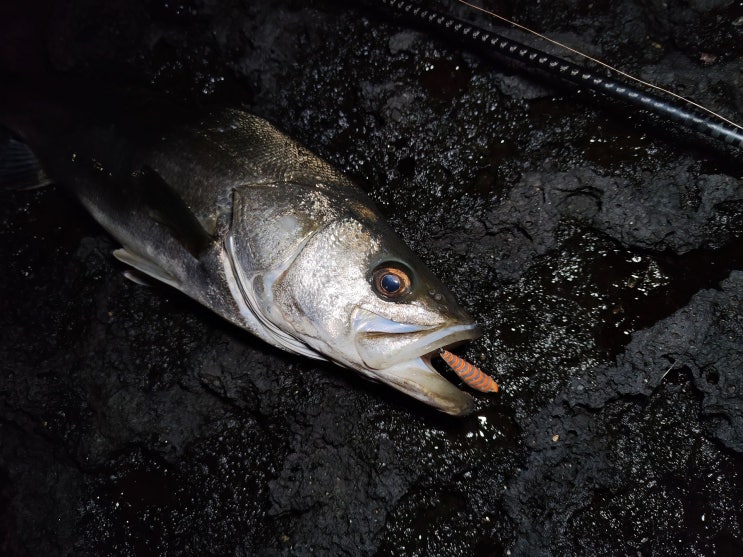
416 376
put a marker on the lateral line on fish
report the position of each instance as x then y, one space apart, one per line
600 62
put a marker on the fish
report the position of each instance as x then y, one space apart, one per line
470 374
222 206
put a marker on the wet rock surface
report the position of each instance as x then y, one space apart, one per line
602 255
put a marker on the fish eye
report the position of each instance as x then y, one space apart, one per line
391 282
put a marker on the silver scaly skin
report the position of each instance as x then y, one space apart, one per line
250 224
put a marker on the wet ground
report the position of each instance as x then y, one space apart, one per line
602 254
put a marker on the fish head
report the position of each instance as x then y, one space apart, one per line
352 292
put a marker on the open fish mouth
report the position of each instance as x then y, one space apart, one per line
416 376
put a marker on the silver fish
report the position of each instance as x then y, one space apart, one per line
241 218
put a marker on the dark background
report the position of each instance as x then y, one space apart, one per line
601 252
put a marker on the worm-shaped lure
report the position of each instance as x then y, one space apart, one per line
470 374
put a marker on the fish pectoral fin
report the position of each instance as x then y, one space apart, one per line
146 266
170 210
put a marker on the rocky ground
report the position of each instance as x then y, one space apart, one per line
602 253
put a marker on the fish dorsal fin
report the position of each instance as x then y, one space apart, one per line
147 267
165 206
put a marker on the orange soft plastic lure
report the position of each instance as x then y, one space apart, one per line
470 374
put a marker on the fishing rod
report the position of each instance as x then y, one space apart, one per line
612 83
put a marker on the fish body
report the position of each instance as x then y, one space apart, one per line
232 212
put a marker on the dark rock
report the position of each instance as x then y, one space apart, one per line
601 252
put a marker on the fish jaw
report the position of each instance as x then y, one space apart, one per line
418 379
412 372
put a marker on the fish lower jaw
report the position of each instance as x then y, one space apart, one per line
403 361
418 378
